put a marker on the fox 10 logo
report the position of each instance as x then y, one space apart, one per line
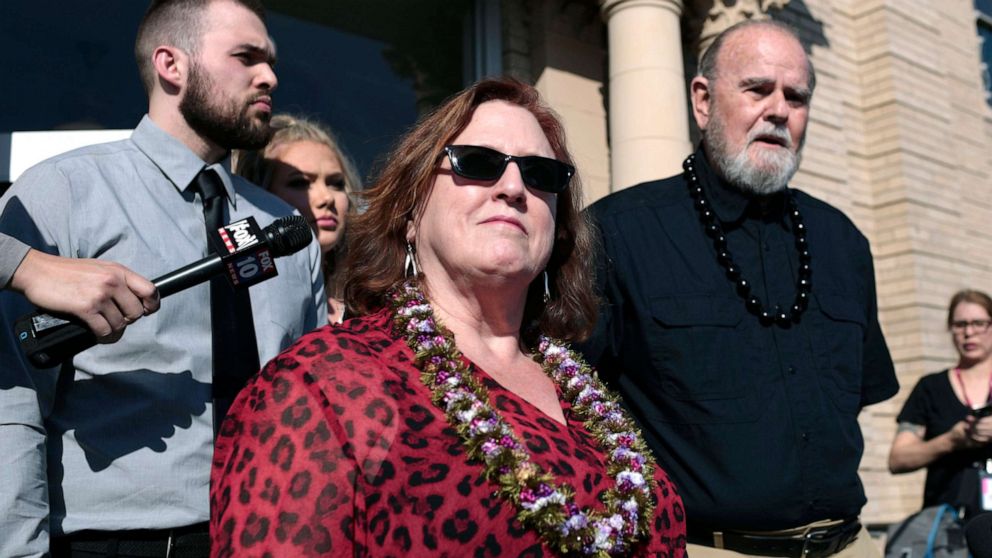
245 254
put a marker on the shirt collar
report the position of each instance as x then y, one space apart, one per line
175 160
732 205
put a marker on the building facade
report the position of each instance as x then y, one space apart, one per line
900 136
900 139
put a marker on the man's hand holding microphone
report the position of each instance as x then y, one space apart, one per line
105 296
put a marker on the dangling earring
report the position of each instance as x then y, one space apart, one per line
547 290
410 262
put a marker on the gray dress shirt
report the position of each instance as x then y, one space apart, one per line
128 443
12 251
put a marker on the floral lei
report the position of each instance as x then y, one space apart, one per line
542 505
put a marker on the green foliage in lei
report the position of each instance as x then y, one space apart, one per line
542 505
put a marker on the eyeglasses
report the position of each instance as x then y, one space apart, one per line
979 326
482 163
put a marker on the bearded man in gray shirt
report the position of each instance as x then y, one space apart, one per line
115 451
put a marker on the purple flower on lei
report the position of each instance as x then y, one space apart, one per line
491 440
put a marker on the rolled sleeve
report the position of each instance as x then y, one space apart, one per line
26 211
12 252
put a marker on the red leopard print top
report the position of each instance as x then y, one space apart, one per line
335 449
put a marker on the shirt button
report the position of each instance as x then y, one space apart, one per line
792 370
805 436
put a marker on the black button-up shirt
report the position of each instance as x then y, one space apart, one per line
756 424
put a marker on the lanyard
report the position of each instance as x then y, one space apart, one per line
964 392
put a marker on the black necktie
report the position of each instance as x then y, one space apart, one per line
234 347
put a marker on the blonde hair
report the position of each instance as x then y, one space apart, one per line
257 166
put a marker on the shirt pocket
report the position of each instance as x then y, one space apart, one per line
700 350
837 338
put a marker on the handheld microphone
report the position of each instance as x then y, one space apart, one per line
978 533
245 255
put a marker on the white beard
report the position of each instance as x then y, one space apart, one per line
772 171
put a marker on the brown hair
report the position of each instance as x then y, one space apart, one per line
377 245
257 166
968 295
177 23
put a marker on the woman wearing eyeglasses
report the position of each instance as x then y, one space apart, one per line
450 417
945 425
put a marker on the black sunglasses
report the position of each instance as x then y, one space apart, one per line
482 163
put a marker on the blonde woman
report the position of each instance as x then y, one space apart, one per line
304 165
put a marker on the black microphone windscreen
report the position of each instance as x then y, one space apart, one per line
978 533
288 235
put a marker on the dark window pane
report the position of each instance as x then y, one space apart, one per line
985 32
366 67
71 65
984 6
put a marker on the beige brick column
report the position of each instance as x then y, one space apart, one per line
649 126
917 135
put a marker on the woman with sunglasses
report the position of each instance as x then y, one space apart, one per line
945 424
450 418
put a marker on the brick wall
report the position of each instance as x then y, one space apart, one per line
900 139
918 102
565 58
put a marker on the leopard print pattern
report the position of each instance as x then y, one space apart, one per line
335 449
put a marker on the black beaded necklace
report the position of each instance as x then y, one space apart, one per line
751 301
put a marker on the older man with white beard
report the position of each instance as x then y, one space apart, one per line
740 320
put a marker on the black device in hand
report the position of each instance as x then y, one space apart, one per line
245 255
982 412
